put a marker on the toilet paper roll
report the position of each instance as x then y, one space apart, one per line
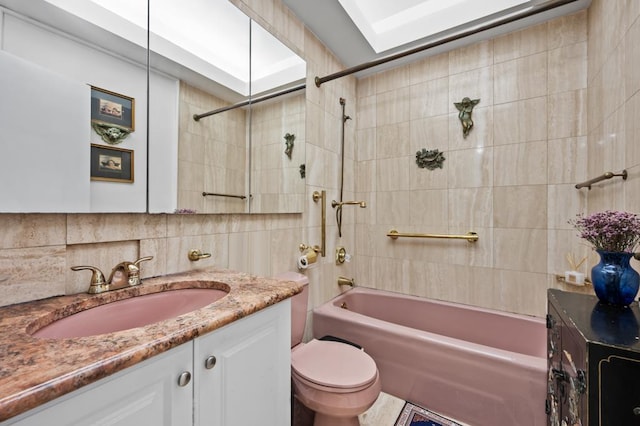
307 259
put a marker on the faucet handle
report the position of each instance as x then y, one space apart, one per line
142 259
97 278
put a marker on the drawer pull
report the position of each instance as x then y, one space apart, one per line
184 379
210 362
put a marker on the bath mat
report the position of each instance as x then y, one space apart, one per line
414 415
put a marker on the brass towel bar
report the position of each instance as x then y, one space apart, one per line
471 237
605 176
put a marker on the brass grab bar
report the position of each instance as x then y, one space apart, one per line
600 178
216 194
471 237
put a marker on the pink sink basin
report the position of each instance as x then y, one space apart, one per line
130 313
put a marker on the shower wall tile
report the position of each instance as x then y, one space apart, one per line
470 168
429 68
392 207
429 208
632 131
566 114
632 59
520 164
393 173
392 107
430 133
366 116
392 140
567 30
470 208
567 160
522 292
520 249
520 121
565 202
521 43
430 98
477 55
393 79
522 206
521 78
568 68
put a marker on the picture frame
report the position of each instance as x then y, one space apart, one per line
111 164
112 109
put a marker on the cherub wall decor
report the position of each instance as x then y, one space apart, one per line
466 107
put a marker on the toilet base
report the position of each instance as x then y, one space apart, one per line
325 420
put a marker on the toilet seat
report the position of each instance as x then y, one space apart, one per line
333 366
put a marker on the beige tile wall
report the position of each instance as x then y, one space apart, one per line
511 180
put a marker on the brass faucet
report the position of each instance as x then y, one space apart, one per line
124 274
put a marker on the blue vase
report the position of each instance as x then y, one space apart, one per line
614 280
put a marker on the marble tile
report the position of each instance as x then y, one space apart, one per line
522 206
481 133
392 79
566 114
467 58
393 173
32 273
520 121
429 208
393 107
565 202
567 160
470 208
474 84
430 98
430 133
94 228
429 68
632 59
522 250
567 30
568 68
392 140
525 42
32 230
470 168
520 164
521 78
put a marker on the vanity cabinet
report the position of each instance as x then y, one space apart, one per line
234 376
593 361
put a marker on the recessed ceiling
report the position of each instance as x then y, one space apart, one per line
361 31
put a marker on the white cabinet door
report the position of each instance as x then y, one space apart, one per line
146 394
250 381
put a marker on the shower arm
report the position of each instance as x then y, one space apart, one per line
335 203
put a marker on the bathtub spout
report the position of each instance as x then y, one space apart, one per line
351 282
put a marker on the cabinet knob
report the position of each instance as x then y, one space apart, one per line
184 378
210 362
636 411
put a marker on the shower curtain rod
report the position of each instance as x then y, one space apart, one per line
376 62
197 117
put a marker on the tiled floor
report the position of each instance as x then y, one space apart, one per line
384 411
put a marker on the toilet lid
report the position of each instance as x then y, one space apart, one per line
333 364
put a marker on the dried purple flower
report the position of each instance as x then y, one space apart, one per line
609 230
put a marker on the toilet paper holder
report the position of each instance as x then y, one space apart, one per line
309 255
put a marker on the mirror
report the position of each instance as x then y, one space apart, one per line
224 67
101 64
54 53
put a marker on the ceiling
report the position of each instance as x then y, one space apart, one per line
360 31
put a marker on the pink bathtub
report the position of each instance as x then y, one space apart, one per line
478 366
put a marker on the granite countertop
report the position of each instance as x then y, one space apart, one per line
35 370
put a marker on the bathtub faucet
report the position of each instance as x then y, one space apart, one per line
351 282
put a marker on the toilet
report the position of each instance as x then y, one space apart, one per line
336 380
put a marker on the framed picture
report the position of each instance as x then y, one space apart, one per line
111 164
112 109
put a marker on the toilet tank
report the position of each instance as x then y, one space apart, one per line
299 304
